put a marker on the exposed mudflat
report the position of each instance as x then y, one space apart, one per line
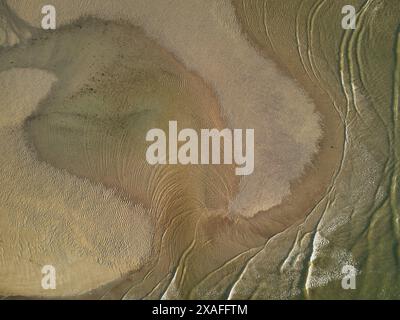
77 192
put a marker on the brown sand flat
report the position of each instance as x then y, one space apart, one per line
115 82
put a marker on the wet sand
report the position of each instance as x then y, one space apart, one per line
82 127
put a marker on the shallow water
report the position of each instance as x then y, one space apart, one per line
357 221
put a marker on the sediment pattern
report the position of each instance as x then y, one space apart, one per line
78 193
